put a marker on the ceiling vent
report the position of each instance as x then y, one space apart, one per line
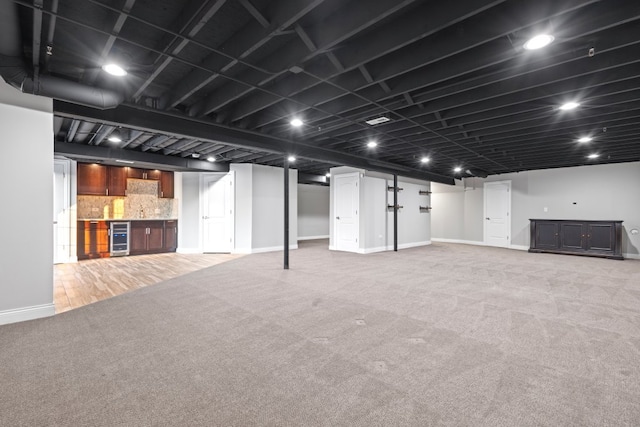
377 120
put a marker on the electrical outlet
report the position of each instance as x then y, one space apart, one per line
546 209
157 211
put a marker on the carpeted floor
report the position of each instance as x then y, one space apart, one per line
440 335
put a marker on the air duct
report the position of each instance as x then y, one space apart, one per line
14 71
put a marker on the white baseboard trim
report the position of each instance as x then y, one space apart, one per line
410 245
313 237
464 242
390 248
332 248
247 251
473 242
372 250
631 256
189 251
26 313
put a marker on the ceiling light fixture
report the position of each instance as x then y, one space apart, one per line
538 41
372 144
195 155
328 175
593 156
377 120
115 136
291 158
425 160
569 106
129 162
211 159
296 122
114 70
585 139
457 169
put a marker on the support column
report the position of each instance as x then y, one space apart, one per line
286 213
395 213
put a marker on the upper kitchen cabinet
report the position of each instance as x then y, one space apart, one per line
117 181
92 179
101 180
138 173
166 184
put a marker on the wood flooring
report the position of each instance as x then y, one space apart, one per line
89 281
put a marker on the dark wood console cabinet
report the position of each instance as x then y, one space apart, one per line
577 237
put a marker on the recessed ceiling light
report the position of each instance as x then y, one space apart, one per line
424 160
538 41
114 70
372 144
585 139
328 175
115 136
570 106
195 155
291 158
211 159
457 169
377 120
593 156
296 123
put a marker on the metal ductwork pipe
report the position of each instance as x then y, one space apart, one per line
14 71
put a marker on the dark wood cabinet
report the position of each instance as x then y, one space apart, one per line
92 179
170 235
136 173
101 180
166 184
577 237
152 236
93 239
117 181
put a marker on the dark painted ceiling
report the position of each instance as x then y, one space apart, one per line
224 78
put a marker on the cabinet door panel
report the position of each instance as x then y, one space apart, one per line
166 185
138 237
117 181
547 235
155 238
601 237
572 236
153 174
92 179
135 173
170 235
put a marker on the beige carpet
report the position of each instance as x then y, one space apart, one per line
440 335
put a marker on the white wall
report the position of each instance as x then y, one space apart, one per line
189 232
313 211
260 208
376 220
414 226
26 255
598 192
244 206
268 208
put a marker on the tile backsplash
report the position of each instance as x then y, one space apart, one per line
142 201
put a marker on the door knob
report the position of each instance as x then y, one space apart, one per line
487 218
337 217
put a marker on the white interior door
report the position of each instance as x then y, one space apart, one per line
60 213
497 213
347 199
218 213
